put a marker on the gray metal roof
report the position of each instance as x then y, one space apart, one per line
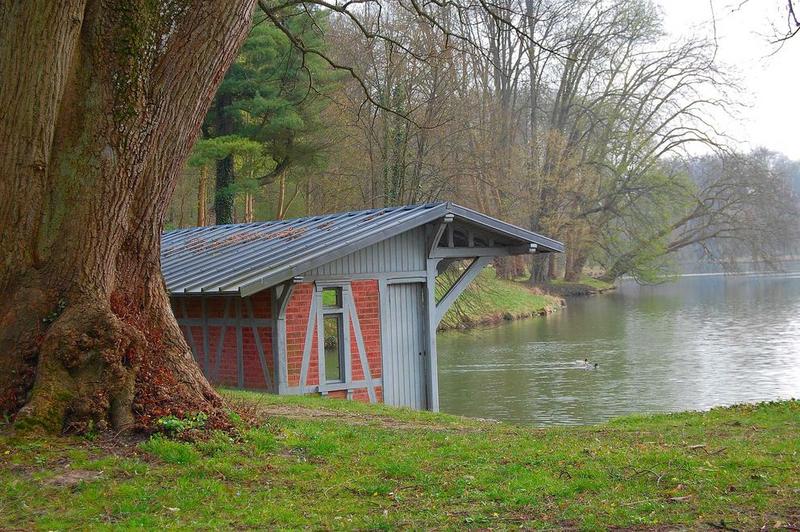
246 258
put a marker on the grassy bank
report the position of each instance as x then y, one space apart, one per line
489 300
584 287
335 464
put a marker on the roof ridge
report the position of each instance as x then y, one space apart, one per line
310 216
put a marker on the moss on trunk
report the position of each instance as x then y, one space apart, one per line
103 100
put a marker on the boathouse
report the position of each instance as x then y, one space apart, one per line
340 304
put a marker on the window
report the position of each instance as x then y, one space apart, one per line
334 352
332 298
333 334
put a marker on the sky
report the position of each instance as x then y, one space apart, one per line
770 77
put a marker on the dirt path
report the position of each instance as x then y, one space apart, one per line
264 411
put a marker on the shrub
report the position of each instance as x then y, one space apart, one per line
174 425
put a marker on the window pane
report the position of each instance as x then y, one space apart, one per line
332 297
334 370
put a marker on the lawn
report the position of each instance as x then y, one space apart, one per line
323 463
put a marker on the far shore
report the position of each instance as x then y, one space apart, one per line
493 301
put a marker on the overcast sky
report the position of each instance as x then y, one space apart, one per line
771 80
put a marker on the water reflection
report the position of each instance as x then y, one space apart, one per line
701 342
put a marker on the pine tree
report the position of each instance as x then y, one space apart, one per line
274 97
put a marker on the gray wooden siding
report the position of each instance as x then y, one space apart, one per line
402 253
404 379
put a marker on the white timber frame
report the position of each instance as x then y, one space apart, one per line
280 301
238 315
314 324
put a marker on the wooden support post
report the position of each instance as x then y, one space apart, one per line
383 306
280 301
431 360
276 363
239 345
347 303
322 378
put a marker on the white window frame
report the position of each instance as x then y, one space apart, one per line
345 355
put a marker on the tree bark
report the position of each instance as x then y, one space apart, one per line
249 203
223 191
575 261
551 267
101 102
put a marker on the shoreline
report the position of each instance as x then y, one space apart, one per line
491 320
495 301
578 289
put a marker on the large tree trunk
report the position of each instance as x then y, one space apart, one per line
575 261
100 103
223 191
539 270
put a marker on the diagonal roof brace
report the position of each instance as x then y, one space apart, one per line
437 237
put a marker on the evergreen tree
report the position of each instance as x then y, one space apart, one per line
274 97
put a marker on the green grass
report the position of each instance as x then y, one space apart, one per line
490 300
327 464
584 282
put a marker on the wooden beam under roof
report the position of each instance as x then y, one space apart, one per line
466 252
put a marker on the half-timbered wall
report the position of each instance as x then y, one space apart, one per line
362 341
230 337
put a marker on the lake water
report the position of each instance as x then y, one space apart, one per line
689 345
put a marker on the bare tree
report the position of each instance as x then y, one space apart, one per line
792 21
731 206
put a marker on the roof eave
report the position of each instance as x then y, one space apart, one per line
544 244
249 285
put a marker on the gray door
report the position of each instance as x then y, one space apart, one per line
404 382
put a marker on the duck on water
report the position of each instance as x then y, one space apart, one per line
585 364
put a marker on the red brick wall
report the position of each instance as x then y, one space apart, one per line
296 323
215 308
367 302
